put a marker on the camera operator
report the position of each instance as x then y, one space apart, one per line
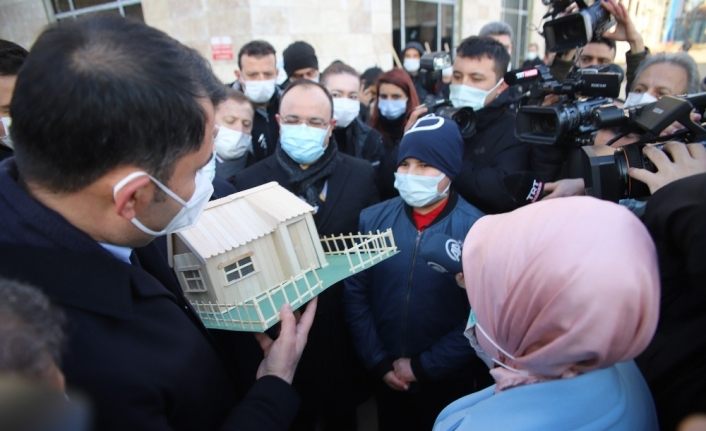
493 152
659 75
674 364
602 50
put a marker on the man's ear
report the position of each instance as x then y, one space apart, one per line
134 192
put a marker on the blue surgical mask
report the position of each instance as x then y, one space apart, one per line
392 109
303 144
419 190
210 169
465 96
637 99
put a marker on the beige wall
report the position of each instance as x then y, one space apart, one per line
476 13
21 21
356 31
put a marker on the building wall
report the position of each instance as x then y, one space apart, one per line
357 31
474 14
21 21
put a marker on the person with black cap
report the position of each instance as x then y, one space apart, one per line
300 62
407 319
411 61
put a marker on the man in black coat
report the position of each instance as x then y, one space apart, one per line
256 78
338 186
674 364
493 152
89 188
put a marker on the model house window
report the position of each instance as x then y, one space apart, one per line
239 269
74 9
194 281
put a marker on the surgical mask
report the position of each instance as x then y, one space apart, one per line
345 110
637 99
191 209
303 144
210 169
411 64
392 109
316 79
419 190
232 144
470 97
6 121
472 327
531 55
259 91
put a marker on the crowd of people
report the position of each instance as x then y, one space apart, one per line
569 312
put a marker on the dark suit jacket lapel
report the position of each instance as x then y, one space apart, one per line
336 185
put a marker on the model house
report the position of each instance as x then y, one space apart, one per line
244 244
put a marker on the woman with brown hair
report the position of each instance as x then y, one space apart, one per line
396 100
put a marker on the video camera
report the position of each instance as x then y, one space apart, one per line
606 176
430 72
576 29
571 121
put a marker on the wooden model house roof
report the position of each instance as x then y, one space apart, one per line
235 220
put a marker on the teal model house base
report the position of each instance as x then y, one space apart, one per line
256 250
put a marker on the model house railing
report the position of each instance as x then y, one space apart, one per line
362 250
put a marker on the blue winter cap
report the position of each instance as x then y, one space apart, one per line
435 141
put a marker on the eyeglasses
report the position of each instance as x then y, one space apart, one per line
311 121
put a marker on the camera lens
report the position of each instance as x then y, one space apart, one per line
630 156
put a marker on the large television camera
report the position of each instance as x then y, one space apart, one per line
573 119
606 176
430 72
576 29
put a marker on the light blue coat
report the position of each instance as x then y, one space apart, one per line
614 398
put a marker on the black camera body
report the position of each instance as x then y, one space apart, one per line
430 70
571 121
606 176
576 29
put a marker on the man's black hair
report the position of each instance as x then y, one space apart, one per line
31 331
478 47
308 83
102 92
609 42
370 75
255 48
11 57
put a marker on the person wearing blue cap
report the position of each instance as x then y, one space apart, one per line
406 318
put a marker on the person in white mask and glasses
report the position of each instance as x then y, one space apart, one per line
256 78
233 142
353 137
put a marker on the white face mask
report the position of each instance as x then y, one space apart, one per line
316 79
392 109
637 99
447 72
531 55
471 328
419 190
259 91
471 97
232 144
6 121
345 110
411 64
190 211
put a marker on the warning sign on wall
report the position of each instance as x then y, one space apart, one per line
222 48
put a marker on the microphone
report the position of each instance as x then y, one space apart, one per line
442 253
524 187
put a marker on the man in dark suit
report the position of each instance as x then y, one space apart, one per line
118 159
338 186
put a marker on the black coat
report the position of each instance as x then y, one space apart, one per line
265 129
674 364
489 156
135 347
362 141
351 188
329 377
